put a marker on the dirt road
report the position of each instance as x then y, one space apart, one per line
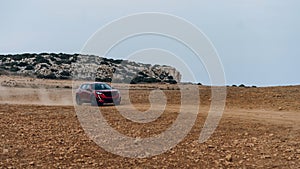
260 128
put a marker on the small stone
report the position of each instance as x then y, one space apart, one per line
277 95
229 157
250 145
289 150
31 163
254 138
211 146
266 156
5 150
137 140
227 163
235 142
280 108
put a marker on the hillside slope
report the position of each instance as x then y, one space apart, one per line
87 67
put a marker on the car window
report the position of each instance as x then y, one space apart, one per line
87 86
101 86
84 86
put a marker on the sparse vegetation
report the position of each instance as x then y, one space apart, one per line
41 59
242 85
107 79
49 76
22 64
65 73
29 67
61 67
14 69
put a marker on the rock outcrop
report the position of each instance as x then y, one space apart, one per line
86 67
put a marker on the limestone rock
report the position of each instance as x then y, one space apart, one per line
87 67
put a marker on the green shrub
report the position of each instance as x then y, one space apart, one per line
41 59
171 81
141 79
106 79
14 69
3 58
242 85
65 73
170 77
29 67
49 76
22 64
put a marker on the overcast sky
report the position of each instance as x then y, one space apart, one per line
258 41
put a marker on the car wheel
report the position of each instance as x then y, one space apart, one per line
117 103
93 101
78 100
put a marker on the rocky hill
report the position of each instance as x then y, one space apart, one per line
86 67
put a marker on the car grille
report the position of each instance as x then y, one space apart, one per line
110 94
108 100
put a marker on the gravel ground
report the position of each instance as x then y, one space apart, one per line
259 129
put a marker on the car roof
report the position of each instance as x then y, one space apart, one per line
93 83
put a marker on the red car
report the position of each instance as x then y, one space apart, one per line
97 93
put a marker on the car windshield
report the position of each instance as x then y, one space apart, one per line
101 86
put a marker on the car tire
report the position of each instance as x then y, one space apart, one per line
78 100
93 101
117 103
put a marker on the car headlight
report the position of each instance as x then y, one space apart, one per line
98 93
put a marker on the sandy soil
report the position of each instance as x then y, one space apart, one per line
260 128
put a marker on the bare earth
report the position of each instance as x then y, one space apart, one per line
260 128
